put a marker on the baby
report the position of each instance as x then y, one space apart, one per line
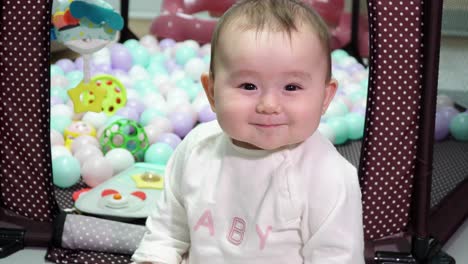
261 184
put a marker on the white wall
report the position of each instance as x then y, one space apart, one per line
140 9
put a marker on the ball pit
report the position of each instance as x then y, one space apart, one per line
165 100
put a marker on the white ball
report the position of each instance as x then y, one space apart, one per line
200 101
86 152
62 110
153 132
194 68
102 56
152 99
82 141
149 41
120 159
160 79
162 122
96 171
191 43
56 139
138 72
165 87
177 95
205 49
59 81
97 120
57 151
133 94
177 75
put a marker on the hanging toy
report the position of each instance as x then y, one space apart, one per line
86 26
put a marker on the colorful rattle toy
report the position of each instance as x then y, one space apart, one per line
86 26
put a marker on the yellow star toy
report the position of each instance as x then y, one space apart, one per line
87 97
148 180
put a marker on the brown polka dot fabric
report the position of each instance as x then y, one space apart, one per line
25 161
389 145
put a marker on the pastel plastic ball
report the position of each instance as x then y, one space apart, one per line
158 153
441 129
162 122
61 109
355 123
96 171
194 68
171 139
59 122
148 41
459 127
65 171
166 43
56 70
138 72
97 120
55 100
56 139
206 114
148 115
153 132
182 123
60 93
336 109
58 151
140 55
448 112
155 100
184 54
82 141
120 158
121 58
59 81
340 129
66 65
74 78
128 113
86 152
137 105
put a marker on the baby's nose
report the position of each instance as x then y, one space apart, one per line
268 104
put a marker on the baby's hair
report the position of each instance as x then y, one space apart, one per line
274 15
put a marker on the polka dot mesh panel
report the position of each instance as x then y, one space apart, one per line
26 186
389 146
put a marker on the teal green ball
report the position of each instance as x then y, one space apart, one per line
184 83
339 55
56 70
149 114
158 153
59 122
60 93
144 87
340 128
140 56
158 59
207 59
74 78
355 124
131 44
184 54
65 171
459 127
157 69
193 90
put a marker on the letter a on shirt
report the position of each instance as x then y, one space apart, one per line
205 220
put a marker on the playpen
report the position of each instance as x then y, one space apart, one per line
414 191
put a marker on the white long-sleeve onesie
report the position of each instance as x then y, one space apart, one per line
226 204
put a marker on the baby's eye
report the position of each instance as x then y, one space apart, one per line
248 86
292 87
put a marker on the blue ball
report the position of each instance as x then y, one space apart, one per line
459 127
148 115
65 171
59 122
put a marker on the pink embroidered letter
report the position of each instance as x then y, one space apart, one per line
205 220
263 237
236 235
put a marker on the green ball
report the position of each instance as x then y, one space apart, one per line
184 83
184 54
148 115
193 90
144 87
65 171
158 59
74 78
339 54
131 44
207 59
59 122
158 153
340 128
355 123
336 109
157 69
60 93
459 126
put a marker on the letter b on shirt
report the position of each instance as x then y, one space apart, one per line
236 233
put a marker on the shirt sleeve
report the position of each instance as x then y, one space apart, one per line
337 236
167 237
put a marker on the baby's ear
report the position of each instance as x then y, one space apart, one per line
330 91
208 85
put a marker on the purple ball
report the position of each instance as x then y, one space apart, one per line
448 112
129 113
136 104
121 58
182 123
79 63
103 68
442 126
169 138
171 65
54 100
67 65
360 109
206 114
166 43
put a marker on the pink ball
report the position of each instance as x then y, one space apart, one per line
82 141
96 171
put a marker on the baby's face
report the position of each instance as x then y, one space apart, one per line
269 90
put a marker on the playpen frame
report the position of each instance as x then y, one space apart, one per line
21 229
